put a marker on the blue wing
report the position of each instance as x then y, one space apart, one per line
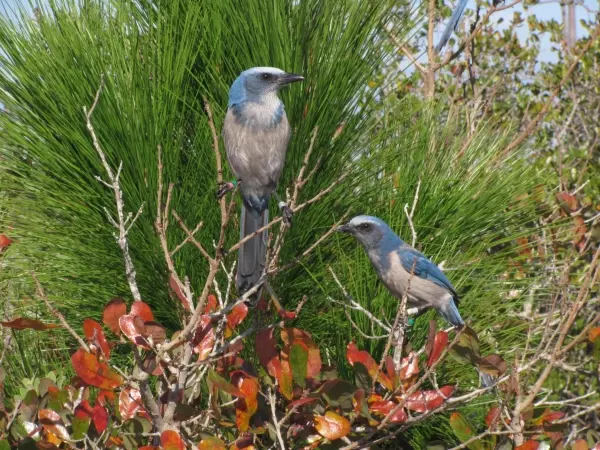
424 268
452 24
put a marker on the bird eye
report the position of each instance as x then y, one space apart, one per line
365 226
266 76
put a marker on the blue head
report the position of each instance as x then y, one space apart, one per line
371 232
259 85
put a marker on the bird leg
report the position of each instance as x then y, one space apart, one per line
286 211
225 187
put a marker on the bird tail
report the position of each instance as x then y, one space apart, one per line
452 24
252 255
450 312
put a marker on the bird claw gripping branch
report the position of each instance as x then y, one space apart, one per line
225 187
287 213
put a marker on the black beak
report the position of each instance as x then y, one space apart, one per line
289 78
343 229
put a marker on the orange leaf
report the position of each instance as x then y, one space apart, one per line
105 397
247 406
285 380
423 401
4 241
593 334
93 372
580 444
568 202
529 445
237 315
180 295
95 336
332 426
149 447
266 349
21 323
170 440
210 304
130 402
492 415
439 344
548 417
204 338
100 418
142 310
354 355
211 443
133 327
52 423
112 313
290 335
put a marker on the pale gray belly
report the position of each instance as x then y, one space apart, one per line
256 154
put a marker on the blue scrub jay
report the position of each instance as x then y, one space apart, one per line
394 260
256 135
454 20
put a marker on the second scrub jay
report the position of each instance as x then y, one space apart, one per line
394 261
256 133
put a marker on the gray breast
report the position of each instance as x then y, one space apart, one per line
256 148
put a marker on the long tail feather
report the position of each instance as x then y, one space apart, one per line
452 24
449 311
252 254
486 380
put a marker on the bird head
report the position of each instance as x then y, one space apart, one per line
258 83
368 230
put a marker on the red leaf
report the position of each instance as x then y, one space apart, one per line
579 231
93 372
133 327
385 407
247 406
354 355
204 338
439 344
409 367
290 335
568 202
83 410
130 402
332 426
492 365
142 310
492 415
100 418
105 397
286 315
210 304
4 241
52 423
237 315
95 336
302 401
266 349
21 323
423 401
170 440
529 445
112 313
180 295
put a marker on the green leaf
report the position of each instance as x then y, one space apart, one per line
80 427
299 362
463 431
133 428
362 376
338 394
4 445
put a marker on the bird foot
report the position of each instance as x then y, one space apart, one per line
224 188
287 213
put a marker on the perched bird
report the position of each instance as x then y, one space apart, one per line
454 20
394 261
256 133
